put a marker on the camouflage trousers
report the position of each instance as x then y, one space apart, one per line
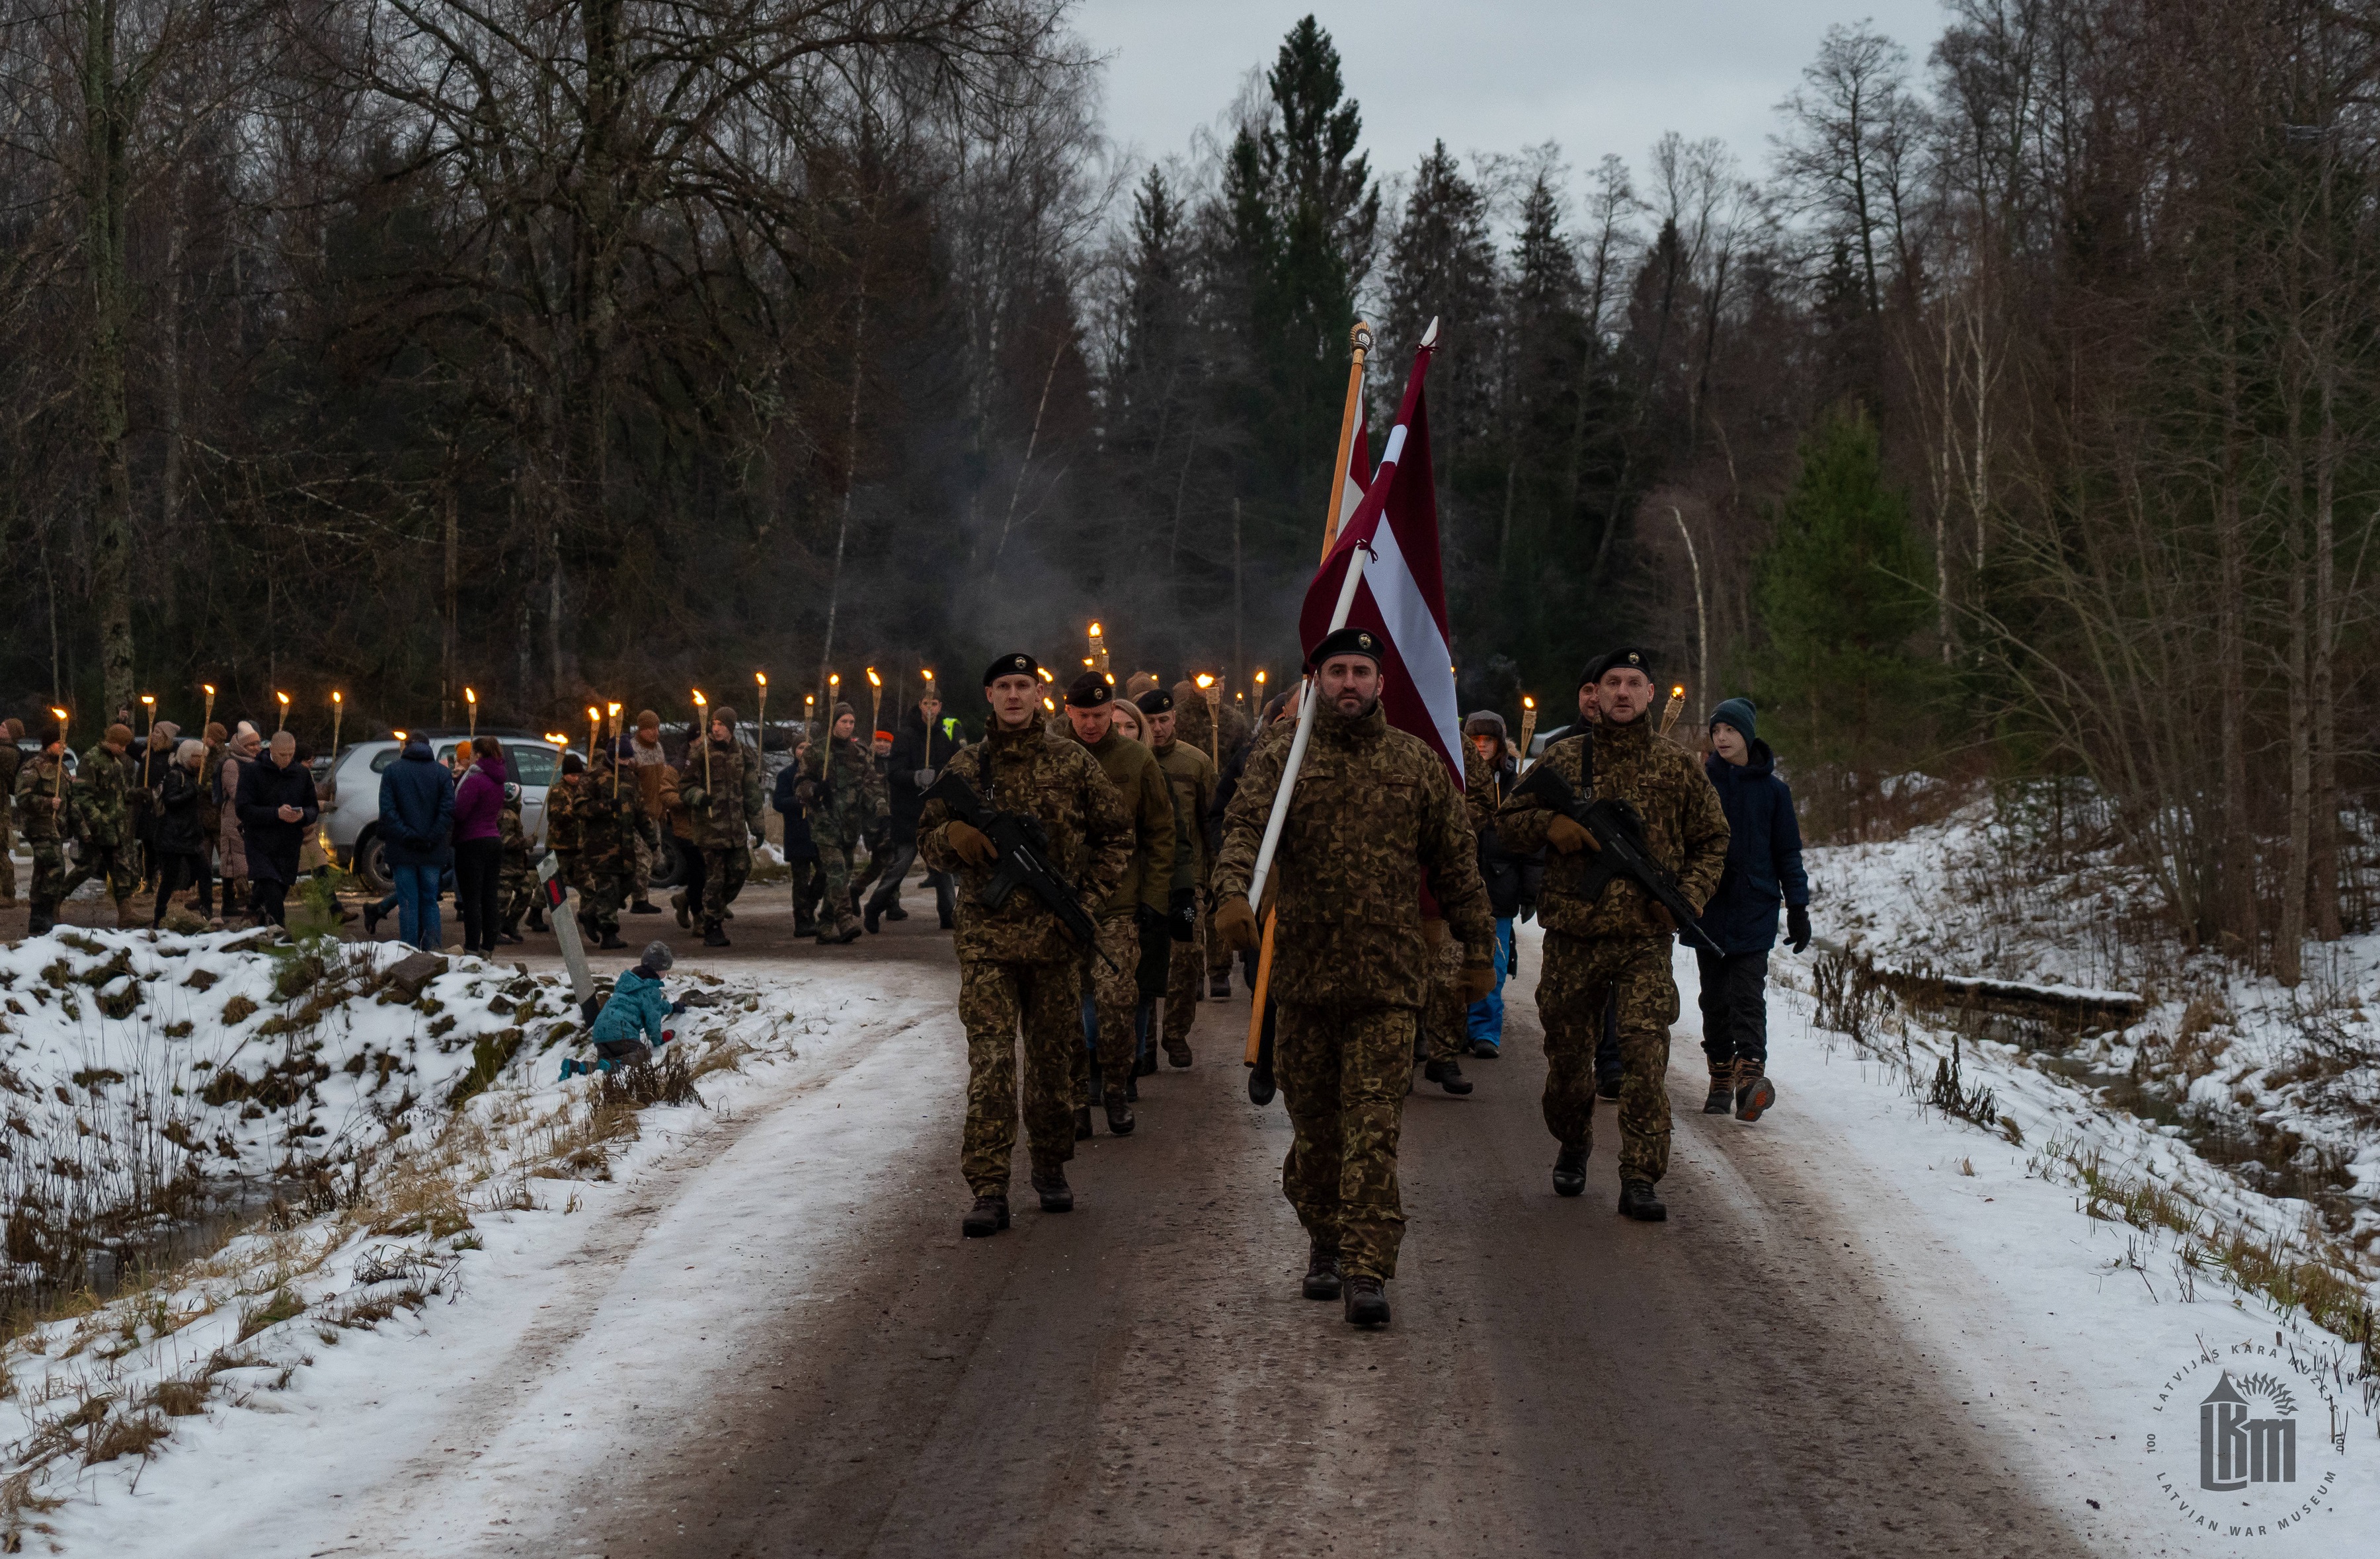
644 869
1115 995
49 872
1445 1018
515 891
602 891
7 858
1343 1075
1577 977
724 871
1185 982
998 999
1219 952
116 863
834 863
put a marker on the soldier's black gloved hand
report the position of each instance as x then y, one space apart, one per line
1182 915
1797 926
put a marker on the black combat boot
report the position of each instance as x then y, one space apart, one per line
985 1218
1608 1088
1120 1121
1637 1201
41 920
896 913
1322 1272
1177 1052
1570 1172
1367 1302
1050 1186
1220 986
1083 1124
372 913
1753 1093
713 936
644 906
868 918
1448 1074
611 941
1721 1097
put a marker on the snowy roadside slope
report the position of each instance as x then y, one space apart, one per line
2067 1324
572 1317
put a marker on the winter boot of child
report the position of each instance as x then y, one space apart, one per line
1753 1093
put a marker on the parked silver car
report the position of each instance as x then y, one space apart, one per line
350 828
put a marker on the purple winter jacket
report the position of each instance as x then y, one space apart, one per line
479 802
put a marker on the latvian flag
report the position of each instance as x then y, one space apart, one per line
1402 595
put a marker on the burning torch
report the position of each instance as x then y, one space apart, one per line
760 714
703 724
1675 707
285 711
471 697
875 704
1528 727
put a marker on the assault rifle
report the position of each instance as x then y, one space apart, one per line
1023 860
1619 828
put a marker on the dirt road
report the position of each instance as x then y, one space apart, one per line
1141 1375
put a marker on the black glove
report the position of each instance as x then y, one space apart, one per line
1182 915
677 1006
1156 953
1797 926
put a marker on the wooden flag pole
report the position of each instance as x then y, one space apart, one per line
1361 340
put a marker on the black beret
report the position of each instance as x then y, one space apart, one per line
1012 665
1157 700
572 764
1090 690
1627 655
1346 642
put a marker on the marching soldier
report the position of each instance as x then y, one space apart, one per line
656 790
1446 1016
846 801
1192 775
1018 966
723 802
104 789
1616 947
516 883
562 831
43 812
1375 817
1138 898
611 820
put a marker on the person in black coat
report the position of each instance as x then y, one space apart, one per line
791 798
924 744
1764 864
178 838
276 806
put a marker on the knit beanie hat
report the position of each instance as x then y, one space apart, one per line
1737 712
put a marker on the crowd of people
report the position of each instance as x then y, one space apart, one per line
1385 929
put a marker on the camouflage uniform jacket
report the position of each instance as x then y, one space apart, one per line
609 823
720 813
1192 775
848 787
41 778
562 828
1683 825
12 758
1139 783
515 838
1374 814
103 790
1090 840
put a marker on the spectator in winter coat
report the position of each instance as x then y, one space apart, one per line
1764 863
179 840
631 1027
417 822
918 754
242 752
479 846
276 806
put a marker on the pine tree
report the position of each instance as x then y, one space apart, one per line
1840 600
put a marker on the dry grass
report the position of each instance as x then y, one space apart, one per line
283 1305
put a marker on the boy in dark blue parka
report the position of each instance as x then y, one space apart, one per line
1764 864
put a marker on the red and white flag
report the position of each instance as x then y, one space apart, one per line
1402 594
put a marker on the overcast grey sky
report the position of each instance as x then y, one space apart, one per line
1489 75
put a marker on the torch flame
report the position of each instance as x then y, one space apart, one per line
337 697
1529 702
471 695
761 677
698 700
874 681
1205 681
